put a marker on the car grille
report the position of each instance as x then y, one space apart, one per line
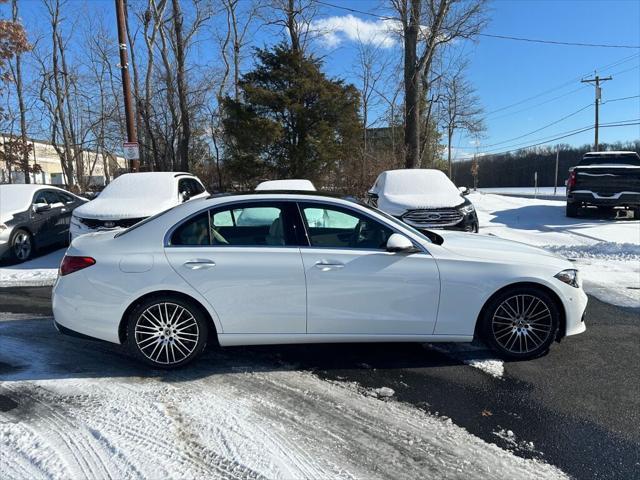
97 224
444 217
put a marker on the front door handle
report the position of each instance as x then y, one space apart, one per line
326 265
199 264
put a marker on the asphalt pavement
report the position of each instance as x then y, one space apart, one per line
577 408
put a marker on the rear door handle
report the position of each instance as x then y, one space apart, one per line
326 265
199 264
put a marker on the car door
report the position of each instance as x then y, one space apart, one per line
62 205
41 219
243 259
354 286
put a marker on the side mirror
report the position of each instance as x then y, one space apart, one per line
463 190
399 243
41 207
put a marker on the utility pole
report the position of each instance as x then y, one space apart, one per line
131 145
555 182
596 81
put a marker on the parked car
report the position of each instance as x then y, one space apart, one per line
32 217
132 197
289 184
425 199
309 269
605 180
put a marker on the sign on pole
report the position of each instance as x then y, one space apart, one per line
131 150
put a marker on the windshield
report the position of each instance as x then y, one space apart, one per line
411 182
630 158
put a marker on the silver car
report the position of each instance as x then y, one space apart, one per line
32 217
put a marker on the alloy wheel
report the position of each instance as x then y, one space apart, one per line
22 246
522 323
166 333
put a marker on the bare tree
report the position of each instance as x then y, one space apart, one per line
426 27
461 109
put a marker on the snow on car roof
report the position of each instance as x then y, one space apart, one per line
149 186
17 197
613 152
414 181
289 184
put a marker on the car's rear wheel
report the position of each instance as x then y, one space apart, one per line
521 323
167 332
21 245
572 210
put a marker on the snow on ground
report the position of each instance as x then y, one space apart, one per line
476 356
67 414
605 250
561 191
40 271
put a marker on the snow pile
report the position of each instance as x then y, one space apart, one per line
476 356
606 251
210 422
41 271
289 184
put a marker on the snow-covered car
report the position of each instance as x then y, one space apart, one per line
32 217
289 184
308 268
425 199
132 197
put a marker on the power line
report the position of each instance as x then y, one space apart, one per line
557 42
502 37
570 133
538 129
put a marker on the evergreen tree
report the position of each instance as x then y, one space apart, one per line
290 121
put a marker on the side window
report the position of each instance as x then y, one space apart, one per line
53 198
40 198
249 226
337 228
196 187
193 232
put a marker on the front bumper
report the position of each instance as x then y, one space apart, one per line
575 303
627 199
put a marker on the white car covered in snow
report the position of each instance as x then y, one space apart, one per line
132 197
425 199
300 185
275 268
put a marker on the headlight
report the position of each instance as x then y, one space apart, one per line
75 221
467 209
570 277
3 227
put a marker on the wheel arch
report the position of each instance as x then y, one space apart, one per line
122 327
562 327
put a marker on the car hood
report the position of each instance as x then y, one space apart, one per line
489 247
120 208
399 204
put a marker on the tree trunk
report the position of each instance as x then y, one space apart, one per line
21 108
185 134
412 82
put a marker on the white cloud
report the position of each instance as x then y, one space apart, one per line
333 31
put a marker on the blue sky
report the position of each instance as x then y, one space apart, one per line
503 72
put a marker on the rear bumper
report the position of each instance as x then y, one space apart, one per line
627 199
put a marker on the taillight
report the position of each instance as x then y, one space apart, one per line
73 264
571 181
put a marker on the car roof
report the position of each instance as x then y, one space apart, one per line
286 193
29 187
287 184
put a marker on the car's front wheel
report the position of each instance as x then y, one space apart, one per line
21 245
521 323
167 332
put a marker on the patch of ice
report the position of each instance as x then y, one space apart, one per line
384 392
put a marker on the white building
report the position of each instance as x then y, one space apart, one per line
46 156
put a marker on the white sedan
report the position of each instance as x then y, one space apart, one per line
307 268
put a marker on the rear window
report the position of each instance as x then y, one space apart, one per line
613 159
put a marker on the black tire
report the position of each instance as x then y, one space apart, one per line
22 247
521 323
572 210
152 336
